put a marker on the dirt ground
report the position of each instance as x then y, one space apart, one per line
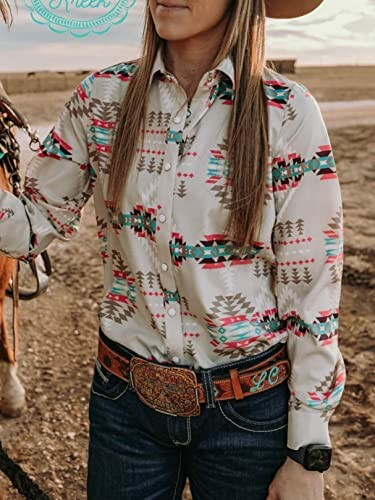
59 335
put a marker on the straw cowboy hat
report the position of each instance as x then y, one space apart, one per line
286 9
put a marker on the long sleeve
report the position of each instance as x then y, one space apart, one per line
308 244
58 183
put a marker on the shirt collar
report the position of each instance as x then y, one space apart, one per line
226 66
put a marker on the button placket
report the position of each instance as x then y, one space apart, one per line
173 324
199 102
173 330
172 311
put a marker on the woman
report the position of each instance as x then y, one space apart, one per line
220 229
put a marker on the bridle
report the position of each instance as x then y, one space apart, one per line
11 119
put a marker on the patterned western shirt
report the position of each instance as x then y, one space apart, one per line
175 288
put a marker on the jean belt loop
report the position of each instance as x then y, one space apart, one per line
208 388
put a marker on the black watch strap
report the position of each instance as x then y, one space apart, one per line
297 455
315 457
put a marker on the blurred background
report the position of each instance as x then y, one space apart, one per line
338 32
332 52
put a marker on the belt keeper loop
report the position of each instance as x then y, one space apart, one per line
236 384
131 380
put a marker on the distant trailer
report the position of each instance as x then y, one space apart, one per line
283 65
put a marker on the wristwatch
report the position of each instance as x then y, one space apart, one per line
312 457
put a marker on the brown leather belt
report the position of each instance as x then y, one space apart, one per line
176 391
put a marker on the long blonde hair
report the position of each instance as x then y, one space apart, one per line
248 128
6 12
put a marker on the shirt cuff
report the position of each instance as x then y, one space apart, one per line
306 428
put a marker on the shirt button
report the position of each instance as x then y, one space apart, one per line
167 166
164 266
175 359
162 218
177 119
172 312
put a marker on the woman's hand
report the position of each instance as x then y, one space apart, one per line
293 482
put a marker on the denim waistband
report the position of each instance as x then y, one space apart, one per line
201 372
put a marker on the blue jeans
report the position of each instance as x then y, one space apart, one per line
229 452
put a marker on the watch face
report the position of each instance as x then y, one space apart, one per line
318 457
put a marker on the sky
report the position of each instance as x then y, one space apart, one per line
337 32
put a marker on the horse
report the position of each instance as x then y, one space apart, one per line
12 393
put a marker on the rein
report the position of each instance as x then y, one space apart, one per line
11 118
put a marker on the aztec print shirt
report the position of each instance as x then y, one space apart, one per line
175 289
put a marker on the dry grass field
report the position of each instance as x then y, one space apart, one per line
338 83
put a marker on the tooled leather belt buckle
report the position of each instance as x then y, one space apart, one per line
169 390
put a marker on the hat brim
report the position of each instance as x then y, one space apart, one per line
288 9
